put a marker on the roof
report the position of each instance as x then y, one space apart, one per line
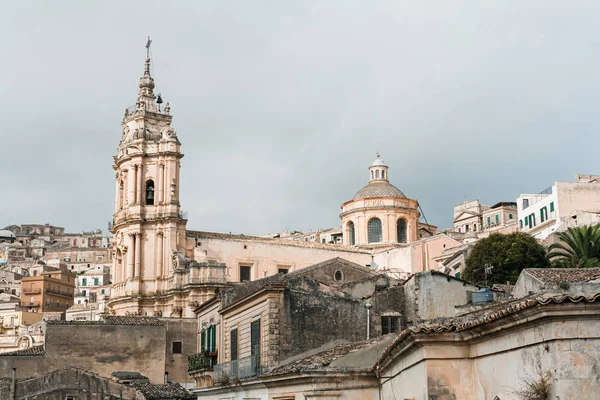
166 391
558 275
378 189
7 233
274 241
114 320
32 351
343 357
486 316
510 204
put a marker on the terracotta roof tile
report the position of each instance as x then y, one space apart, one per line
114 320
167 391
557 275
32 351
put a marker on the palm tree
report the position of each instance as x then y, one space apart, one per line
579 247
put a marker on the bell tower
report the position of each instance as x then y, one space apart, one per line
148 224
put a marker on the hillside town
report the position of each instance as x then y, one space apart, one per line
383 306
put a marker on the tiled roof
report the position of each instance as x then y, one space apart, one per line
503 288
167 391
279 242
114 320
378 189
557 275
32 351
491 314
323 360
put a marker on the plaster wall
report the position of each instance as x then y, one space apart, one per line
407 379
525 285
265 258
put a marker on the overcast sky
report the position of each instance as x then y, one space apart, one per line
282 105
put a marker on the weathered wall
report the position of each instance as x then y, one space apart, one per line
182 330
389 302
60 384
101 349
525 285
310 320
436 296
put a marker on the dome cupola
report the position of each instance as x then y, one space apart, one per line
378 171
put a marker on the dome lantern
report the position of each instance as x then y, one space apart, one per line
378 171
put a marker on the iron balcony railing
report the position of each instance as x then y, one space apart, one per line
202 361
242 368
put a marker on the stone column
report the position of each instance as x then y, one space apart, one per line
138 251
131 187
159 258
140 184
159 184
117 193
130 256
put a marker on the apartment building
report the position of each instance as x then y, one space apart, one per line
50 291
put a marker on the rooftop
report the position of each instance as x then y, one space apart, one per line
167 391
558 275
32 351
114 320
275 241
378 189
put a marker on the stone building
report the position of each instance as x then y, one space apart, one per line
379 213
50 291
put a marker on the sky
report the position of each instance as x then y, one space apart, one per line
281 105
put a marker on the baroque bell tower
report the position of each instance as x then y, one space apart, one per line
148 225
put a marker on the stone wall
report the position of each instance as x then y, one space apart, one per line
96 347
310 320
182 330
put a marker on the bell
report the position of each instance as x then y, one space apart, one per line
150 194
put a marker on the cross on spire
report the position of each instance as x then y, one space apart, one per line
148 47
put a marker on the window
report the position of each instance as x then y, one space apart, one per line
176 347
245 273
323 240
389 324
466 228
84 282
150 193
255 345
521 223
377 174
401 230
102 291
552 207
510 216
474 227
497 218
382 174
282 270
543 214
96 281
211 339
203 340
374 230
489 221
234 344
351 235
338 276
525 203
531 220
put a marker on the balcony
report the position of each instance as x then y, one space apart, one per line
202 361
32 291
30 304
58 292
242 368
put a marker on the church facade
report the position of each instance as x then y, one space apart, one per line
161 268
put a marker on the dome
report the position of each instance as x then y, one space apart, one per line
378 162
378 189
5 233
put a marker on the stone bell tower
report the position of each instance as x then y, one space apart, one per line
148 226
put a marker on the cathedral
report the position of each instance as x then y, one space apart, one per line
160 268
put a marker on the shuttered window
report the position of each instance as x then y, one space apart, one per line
389 325
203 340
234 344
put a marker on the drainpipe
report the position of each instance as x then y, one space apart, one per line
368 305
13 388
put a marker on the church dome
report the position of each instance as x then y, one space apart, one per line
7 234
378 189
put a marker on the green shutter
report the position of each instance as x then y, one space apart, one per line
202 340
489 221
497 218
213 343
551 206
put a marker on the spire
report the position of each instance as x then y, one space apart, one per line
146 84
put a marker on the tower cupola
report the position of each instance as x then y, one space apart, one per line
378 171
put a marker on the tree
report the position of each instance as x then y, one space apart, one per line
507 254
579 247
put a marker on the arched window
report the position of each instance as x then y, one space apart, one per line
121 185
150 193
401 230
372 175
351 234
374 230
382 174
377 174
